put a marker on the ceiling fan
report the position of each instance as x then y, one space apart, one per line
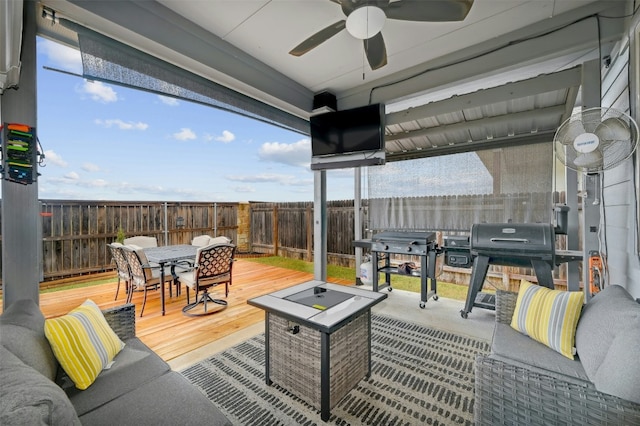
365 19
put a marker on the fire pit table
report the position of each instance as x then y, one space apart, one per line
318 340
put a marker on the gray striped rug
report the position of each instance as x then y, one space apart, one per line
419 376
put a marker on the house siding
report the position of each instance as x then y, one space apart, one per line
619 216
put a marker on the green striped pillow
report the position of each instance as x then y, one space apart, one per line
548 316
83 343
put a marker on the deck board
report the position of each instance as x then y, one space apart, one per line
175 334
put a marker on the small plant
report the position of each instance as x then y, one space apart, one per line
121 235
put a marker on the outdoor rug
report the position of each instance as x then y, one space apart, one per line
419 376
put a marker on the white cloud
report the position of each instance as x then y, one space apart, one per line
53 158
72 176
122 125
168 100
90 167
226 137
184 134
295 154
97 183
99 91
61 56
243 188
288 180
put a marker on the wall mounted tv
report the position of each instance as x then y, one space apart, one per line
355 134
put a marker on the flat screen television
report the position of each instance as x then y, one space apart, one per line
349 131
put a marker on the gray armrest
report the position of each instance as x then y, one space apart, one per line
122 319
505 306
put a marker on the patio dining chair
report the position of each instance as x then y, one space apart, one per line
213 267
143 275
122 267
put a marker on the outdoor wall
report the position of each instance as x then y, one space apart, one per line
619 190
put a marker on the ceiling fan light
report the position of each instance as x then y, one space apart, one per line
365 22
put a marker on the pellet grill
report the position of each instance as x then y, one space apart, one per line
508 244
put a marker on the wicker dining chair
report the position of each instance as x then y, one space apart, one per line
124 274
143 275
213 267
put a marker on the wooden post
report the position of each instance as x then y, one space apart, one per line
275 230
309 221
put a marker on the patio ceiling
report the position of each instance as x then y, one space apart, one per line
508 74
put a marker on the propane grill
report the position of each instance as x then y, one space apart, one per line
508 244
414 243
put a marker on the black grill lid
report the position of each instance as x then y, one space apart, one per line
512 239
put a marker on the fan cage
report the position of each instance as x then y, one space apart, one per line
609 153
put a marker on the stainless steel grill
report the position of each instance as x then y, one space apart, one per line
509 244
415 243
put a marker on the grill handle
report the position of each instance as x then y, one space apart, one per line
509 240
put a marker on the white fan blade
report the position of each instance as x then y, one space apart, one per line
613 129
589 160
572 130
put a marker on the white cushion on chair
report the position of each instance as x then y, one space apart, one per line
201 240
188 278
142 241
219 240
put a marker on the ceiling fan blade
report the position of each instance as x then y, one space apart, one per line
376 51
349 6
429 11
318 38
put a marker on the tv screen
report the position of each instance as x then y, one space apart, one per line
353 130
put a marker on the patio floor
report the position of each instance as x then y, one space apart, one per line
181 340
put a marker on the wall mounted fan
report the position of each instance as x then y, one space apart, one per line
592 141
596 139
365 19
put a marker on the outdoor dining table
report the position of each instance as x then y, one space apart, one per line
169 256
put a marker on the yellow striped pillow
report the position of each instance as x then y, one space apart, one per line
548 316
83 343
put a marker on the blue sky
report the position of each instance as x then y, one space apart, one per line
107 142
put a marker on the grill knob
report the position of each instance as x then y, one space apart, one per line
409 248
386 247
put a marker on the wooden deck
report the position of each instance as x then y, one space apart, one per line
175 334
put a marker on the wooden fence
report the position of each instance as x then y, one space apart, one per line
287 229
75 233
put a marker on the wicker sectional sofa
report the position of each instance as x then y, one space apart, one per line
524 382
138 389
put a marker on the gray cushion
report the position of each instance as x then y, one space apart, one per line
619 374
608 313
29 398
168 400
135 365
22 333
509 343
